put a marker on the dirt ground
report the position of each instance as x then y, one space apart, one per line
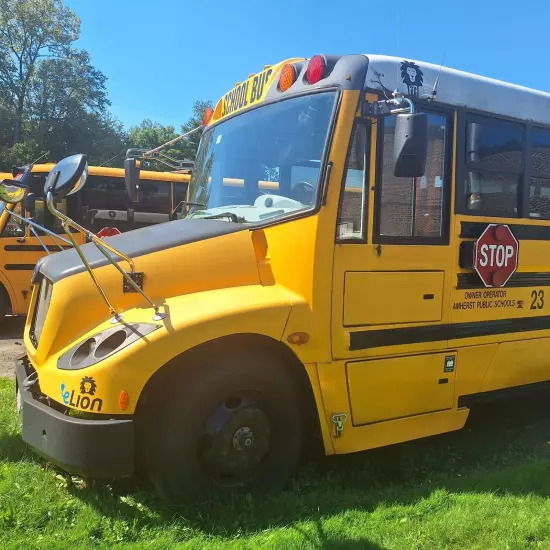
11 344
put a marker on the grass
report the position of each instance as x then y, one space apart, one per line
486 487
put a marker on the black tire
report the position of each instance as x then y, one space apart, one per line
247 391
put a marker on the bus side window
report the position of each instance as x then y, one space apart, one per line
494 150
412 208
539 192
105 203
155 196
37 187
352 207
179 192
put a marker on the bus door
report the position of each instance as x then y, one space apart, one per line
21 249
391 283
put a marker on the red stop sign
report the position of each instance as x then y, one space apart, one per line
496 255
108 232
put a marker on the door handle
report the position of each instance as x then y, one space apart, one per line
429 296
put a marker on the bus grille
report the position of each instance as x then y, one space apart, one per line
40 310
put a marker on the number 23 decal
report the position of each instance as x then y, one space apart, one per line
538 299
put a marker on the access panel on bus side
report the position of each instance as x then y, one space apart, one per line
397 387
385 297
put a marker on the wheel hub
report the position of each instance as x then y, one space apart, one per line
243 438
235 440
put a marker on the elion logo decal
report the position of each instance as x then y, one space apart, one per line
412 76
88 386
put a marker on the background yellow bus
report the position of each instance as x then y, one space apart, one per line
102 204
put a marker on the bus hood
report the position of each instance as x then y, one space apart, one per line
134 244
175 258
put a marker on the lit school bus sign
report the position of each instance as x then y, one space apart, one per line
248 93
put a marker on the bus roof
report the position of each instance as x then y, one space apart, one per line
457 88
119 173
382 73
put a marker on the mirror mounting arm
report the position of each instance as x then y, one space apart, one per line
104 248
385 107
94 238
66 227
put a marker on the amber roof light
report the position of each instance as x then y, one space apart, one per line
287 78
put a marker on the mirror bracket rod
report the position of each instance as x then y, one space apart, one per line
387 107
104 248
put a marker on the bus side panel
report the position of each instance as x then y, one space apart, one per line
397 387
518 363
379 298
18 265
333 382
15 307
472 365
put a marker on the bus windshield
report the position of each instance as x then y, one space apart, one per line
264 163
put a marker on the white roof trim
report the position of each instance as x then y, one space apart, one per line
458 88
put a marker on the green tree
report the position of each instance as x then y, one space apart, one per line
31 31
51 96
149 135
24 152
190 145
67 110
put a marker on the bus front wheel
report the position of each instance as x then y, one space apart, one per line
228 425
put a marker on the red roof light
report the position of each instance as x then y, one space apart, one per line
315 69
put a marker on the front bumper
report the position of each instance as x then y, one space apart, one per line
91 448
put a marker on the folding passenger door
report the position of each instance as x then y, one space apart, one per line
391 277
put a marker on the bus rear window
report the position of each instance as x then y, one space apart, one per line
106 203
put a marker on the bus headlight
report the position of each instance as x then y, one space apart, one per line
103 345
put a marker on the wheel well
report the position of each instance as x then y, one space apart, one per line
6 301
177 367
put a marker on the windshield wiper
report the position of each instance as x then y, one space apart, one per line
233 217
190 203
185 203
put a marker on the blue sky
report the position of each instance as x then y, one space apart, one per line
161 55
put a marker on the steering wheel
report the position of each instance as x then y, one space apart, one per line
308 190
306 185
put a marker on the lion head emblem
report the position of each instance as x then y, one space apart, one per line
412 76
88 385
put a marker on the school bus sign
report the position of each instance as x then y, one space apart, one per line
496 255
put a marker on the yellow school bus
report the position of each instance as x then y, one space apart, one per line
103 205
363 254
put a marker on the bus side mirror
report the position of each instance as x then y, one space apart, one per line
410 146
67 177
131 177
10 193
15 190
